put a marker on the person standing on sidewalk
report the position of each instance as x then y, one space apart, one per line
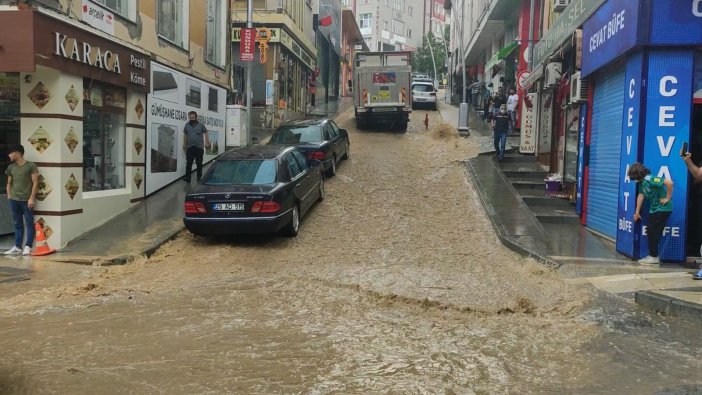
512 102
22 186
696 173
658 192
195 140
500 127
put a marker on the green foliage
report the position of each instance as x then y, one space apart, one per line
421 60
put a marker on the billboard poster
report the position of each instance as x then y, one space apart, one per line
173 94
627 229
582 120
546 122
527 143
668 113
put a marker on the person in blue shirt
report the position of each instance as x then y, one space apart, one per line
658 192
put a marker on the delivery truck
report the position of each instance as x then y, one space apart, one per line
381 84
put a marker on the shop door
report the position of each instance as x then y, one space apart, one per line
9 137
605 143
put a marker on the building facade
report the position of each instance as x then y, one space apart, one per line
99 94
391 25
284 80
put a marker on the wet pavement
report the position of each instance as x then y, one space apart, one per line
397 283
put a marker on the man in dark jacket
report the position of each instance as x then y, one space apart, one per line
500 127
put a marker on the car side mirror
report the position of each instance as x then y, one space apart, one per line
344 132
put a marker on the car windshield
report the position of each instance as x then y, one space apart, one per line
422 88
241 172
297 134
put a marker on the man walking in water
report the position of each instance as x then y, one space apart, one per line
194 141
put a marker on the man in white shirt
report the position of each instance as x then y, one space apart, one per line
512 102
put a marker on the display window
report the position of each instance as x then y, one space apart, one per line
9 119
104 133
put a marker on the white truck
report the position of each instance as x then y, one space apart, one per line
382 88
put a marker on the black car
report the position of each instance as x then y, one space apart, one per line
318 139
259 189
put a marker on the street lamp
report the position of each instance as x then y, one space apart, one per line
463 108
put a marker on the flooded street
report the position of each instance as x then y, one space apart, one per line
396 283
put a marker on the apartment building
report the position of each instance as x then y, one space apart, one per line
390 25
78 81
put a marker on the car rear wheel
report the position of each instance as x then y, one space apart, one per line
293 227
332 170
322 191
347 153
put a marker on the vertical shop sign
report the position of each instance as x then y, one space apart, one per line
627 230
581 159
527 143
269 92
248 42
546 123
668 112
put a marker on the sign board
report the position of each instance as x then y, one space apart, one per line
609 33
523 75
173 94
546 122
676 22
98 17
627 242
668 114
581 159
269 92
573 16
247 47
527 143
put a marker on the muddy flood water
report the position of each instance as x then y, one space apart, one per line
396 284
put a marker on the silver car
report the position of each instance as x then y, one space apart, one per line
423 94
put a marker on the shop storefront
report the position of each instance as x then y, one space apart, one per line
625 44
76 100
288 68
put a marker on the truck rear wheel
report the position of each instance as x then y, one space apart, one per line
402 126
360 124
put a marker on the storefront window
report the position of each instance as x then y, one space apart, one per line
9 119
571 145
103 137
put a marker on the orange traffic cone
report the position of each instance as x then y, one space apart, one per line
42 247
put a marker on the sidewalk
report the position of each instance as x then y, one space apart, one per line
525 221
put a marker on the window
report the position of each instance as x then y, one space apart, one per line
410 10
365 20
301 161
295 135
173 21
9 119
398 28
124 8
293 167
385 25
241 172
335 129
104 136
409 33
216 32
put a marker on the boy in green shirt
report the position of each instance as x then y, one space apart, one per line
22 185
657 191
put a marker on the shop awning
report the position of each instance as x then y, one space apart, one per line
501 54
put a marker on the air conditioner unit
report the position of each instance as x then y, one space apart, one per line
552 74
578 88
560 5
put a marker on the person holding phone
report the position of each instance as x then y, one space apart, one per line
658 191
696 173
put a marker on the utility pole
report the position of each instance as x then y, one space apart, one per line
530 48
249 90
463 108
431 51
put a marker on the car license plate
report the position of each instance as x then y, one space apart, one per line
228 207
420 99
384 110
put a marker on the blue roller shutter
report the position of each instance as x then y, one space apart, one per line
605 143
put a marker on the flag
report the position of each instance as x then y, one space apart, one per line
326 21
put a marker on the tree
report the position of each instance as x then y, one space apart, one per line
422 62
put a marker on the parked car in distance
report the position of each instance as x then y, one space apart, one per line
250 190
423 94
319 139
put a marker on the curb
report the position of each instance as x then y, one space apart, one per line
505 239
669 306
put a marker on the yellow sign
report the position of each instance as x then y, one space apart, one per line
384 94
374 98
263 35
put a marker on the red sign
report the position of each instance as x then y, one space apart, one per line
248 44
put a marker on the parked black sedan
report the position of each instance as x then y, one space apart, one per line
259 189
319 139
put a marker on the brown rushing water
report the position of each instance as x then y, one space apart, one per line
396 284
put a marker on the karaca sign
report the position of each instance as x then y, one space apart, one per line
104 59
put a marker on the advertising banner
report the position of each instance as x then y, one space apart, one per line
609 33
527 143
627 230
669 93
248 44
676 22
546 122
174 94
581 159
98 17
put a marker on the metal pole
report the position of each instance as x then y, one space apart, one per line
249 90
463 55
431 51
530 48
